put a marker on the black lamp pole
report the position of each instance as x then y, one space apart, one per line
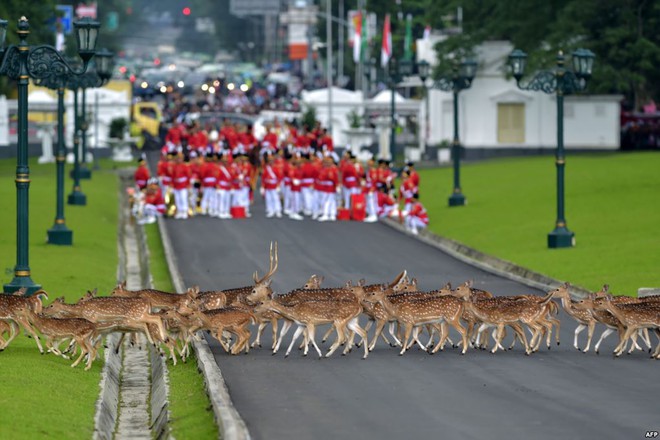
559 81
22 62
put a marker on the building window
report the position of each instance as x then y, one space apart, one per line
511 123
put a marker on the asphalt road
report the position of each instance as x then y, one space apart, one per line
556 394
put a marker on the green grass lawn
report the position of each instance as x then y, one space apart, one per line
190 408
612 205
41 396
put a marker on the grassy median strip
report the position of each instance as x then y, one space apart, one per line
612 205
42 396
190 408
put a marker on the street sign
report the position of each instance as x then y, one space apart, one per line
254 7
67 17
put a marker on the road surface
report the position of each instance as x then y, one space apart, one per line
556 394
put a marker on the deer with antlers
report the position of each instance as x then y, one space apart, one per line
11 307
127 313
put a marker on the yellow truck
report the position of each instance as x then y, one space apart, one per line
146 118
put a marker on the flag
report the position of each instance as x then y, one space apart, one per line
357 37
427 32
408 41
386 49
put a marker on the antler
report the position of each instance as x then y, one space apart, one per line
273 263
398 278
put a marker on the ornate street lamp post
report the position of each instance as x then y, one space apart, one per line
396 71
91 79
20 62
423 70
59 233
460 79
559 81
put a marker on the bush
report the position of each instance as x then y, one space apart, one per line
118 128
309 117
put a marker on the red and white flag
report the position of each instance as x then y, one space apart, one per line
357 37
386 49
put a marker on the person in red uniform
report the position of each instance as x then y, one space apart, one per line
309 172
209 177
270 139
196 161
245 173
142 174
163 170
154 203
351 173
414 175
181 175
370 188
328 179
175 134
325 141
385 175
270 182
386 203
225 181
417 217
295 172
407 190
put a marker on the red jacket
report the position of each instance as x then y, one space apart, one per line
309 172
157 200
225 176
209 174
328 179
271 138
141 176
296 175
407 190
271 177
162 171
181 175
418 211
350 175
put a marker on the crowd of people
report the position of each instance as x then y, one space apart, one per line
296 170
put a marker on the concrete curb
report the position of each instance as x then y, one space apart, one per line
487 262
231 424
160 390
643 292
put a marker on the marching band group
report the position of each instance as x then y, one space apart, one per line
297 172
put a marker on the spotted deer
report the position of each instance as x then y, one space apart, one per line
234 320
342 314
10 308
497 313
583 317
633 317
133 313
158 299
314 282
56 329
417 312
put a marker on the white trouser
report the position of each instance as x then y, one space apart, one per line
244 198
296 201
319 201
372 205
414 223
224 200
273 203
286 194
386 210
208 200
308 199
236 197
329 205
181 201
150 210
348 193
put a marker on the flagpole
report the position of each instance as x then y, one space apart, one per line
328 42
340 48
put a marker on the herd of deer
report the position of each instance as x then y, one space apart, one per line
174 319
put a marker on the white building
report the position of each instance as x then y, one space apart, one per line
495 114
343 102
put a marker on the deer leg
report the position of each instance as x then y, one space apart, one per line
327 334
396 340
274 324
260 329
456 323
622 345
416 332
285 329
579 328
311 330
408 329
354 325
556 323
83 351
293 340
498 337
590 334
608 331
644 334
380 324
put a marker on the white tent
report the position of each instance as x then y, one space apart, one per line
343 102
